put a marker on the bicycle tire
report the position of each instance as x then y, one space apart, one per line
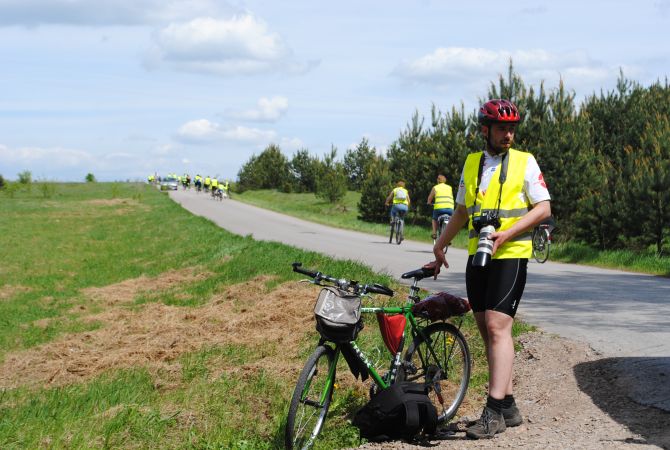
451 348
399 232
540 245
441 227
306 413
392 229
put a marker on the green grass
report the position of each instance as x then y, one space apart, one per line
62 239
308 207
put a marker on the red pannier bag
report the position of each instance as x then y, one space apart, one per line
392 328
440 306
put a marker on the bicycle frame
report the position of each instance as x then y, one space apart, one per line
414 328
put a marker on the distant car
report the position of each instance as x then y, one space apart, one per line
169 184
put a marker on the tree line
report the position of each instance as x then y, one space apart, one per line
606 161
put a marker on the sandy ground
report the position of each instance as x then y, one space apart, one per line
570 398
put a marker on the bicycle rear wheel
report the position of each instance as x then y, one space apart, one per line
540 245
442 225
311 400
440 358
399 236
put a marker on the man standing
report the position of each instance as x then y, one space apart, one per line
503 188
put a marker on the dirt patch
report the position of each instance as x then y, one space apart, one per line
558 412
113 202
157 335
126 290
8 291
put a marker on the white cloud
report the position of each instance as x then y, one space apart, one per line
107 12
45 157
241 45
477 66
268 110
66 164
203 131
291 144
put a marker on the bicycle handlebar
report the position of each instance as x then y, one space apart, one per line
380 289
344 284
296 268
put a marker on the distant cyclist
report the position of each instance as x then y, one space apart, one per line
442 199
208 183
198 182
400 198
215 186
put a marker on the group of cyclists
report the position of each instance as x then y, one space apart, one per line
441 197
211 185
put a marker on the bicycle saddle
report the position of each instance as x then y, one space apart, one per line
419 274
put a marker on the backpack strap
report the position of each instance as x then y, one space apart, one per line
412 416
430 419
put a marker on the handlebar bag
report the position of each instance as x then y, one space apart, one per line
441 306
338 315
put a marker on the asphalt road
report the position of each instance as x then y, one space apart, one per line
624 316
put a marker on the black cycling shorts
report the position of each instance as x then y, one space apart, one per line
498 286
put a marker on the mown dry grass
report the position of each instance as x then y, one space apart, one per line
155 335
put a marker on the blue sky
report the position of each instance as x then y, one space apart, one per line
125 88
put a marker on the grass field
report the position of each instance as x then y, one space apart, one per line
308 207
127 322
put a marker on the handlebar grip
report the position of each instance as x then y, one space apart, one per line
309 273
379 289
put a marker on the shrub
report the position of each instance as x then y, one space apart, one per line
25 177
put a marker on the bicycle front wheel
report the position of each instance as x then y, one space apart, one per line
311 399
439 357
540 245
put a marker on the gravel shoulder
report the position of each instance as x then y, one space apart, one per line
571 398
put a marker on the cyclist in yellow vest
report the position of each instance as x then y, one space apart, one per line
504 189
215 186
400 198
442 199
208 182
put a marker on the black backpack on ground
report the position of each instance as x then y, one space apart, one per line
402 411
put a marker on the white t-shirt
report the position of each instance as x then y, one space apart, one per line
534 187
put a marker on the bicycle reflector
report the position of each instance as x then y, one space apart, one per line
392 328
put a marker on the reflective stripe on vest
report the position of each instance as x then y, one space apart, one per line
444 196
512 208
397 200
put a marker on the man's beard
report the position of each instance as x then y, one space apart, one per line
496 151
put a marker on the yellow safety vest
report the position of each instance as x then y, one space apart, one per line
396 199
511 206
207 181
444 196
214 183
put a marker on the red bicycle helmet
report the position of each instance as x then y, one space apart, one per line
498 110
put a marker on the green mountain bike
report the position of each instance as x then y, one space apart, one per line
437 356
